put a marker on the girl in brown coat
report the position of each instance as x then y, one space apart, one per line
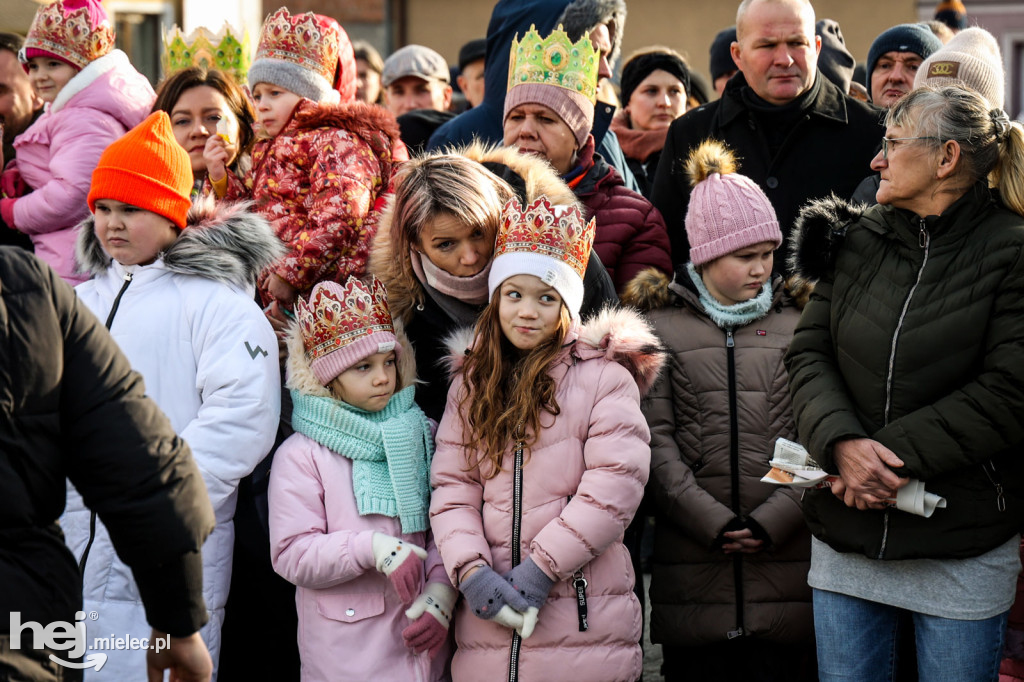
729 588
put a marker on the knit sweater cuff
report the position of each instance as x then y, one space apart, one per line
173 594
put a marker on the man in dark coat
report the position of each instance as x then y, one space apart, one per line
71 407
797 135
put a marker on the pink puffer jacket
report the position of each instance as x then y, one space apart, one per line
58 153
581 484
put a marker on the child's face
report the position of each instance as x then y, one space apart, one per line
455 247
194 119
738 276
132 235
274 107
529 311
368 384
48 76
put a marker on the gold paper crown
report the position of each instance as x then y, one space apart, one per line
306 40
223 51
554 60
70 37
558 232
337 316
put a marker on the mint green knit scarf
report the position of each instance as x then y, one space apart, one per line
736 315
390 451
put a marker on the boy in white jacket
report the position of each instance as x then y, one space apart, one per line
175 284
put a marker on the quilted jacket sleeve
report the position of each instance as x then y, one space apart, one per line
302 550
617 456
648 247
344 183
457 501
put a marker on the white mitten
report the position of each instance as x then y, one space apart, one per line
431 614
401 562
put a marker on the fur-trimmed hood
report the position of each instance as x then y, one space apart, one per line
582 16
299 373
405 291
224 242
817 235
652 289
619 335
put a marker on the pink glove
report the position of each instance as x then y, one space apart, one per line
431 615
401 562
7 212
11 184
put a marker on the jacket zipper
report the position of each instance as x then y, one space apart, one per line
923 240
989 468
92 514
734 467
517 519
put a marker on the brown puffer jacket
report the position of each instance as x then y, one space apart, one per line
711 439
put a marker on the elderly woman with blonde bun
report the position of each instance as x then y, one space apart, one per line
908 365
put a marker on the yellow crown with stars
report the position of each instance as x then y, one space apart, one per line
70 37
558 232
223 50
554 60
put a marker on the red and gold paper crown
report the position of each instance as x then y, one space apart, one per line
337 316
303 39
70 37
558 232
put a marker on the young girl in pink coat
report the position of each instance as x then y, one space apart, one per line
349 497
542 456
93 96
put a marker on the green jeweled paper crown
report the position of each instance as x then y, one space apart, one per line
554 60
223 51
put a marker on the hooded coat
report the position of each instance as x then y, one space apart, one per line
57 154
631 234
711 439
511 19
426 321
72 408
570 503
189 325
321 543
914 337
321 183
790 171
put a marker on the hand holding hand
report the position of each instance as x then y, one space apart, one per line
431 615
401 562
531 582
186 658
492 597
742 541
864 466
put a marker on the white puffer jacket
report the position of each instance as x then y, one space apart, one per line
190 325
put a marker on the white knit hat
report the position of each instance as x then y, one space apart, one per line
971 58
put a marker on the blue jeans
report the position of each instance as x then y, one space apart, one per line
857 642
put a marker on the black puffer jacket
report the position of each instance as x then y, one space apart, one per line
914 337
70 406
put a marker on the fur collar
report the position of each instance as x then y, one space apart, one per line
817 235
224 242
616 334
300 375
115 59
405 292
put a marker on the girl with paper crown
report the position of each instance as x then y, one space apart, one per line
542 456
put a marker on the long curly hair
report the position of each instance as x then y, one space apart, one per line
505 390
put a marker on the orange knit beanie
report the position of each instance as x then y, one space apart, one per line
146 168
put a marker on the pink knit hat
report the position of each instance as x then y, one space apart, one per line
727 211
341 325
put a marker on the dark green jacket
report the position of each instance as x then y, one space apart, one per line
914 337
71 407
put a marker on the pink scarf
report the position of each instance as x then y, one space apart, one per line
472 289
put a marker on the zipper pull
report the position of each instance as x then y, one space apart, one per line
1000 499
580 583
729 342
733 634
922 235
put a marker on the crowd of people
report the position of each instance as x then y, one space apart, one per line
389 375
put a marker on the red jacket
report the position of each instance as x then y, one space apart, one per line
321 183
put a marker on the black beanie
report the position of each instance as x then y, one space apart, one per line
721 53
641 66
834 61
916 38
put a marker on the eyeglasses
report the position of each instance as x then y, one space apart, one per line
887 140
